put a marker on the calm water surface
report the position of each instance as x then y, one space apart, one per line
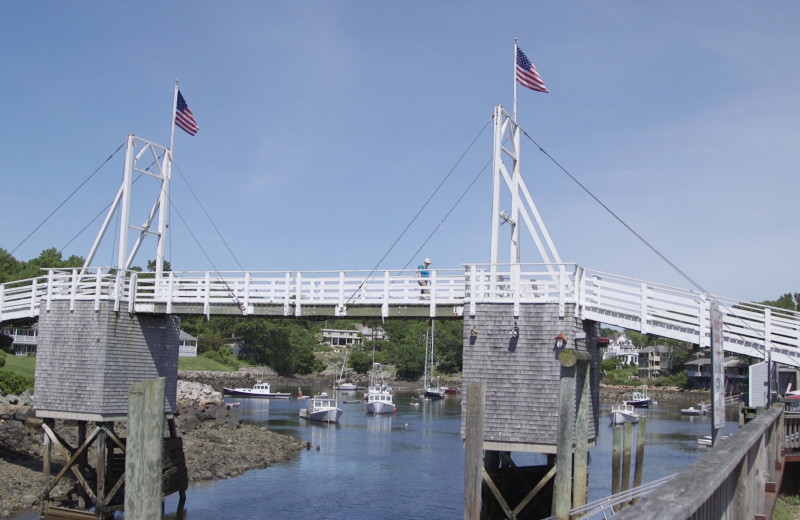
406 465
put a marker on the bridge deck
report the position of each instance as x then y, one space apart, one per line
616 300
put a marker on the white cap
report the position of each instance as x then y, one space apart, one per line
427 261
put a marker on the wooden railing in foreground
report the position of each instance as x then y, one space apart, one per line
738 478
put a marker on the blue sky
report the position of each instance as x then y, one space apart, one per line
325 126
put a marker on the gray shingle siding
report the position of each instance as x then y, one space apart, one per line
87 360
522 379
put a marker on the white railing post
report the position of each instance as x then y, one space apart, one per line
287 292
471 288
298 291
246 304
387 281
49 289
98 287
170 290
701 329
432 295
340 305
767 329
73 289
644 308
516 283
562 290
580 288
207 297
34 291
132 292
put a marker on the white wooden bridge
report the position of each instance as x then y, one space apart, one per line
650 308
750 329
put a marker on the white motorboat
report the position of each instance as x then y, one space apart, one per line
260 389
319 408
623 413
379 396
380 402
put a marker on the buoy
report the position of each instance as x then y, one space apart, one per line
317 448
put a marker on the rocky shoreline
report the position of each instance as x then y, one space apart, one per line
217 444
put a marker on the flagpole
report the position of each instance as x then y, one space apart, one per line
515 79
174 110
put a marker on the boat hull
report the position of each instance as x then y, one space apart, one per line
434 394
330 415
248 392
380 407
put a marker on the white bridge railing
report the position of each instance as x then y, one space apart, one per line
611 299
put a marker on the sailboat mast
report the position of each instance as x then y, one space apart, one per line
425 380
433 335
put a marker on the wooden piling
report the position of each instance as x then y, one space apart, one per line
143 460
637 472
581 470
616 450
473 451
627 441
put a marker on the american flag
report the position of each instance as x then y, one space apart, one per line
184 118
527 74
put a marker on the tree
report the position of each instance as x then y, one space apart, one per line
284 346
789 301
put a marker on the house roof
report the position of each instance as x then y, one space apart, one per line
185 336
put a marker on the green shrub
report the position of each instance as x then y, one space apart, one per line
2 359
11 383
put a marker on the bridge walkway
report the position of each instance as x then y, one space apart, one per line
749 328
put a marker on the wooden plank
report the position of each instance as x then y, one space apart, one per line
143 458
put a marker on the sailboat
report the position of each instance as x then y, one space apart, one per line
344 383
432 390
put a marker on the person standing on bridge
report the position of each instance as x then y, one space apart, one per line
424 276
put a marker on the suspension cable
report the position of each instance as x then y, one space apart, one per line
648 244
209 217
68 197
424 205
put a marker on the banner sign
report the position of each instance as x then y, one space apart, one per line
717 367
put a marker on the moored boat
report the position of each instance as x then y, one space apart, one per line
260 389
431 389
639 399
379 398
623 413
323 409
702 409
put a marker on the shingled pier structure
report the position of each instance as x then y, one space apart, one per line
88 357
516 359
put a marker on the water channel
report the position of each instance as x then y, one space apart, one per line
405 465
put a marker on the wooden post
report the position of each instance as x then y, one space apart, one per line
581 478
46 453
616 450
562 487
626 456
637 472
143 458
473 451
100 494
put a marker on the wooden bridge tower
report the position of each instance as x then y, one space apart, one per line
512 350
